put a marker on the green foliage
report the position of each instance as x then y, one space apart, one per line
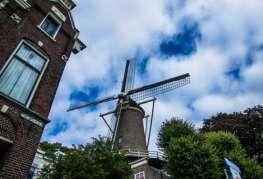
223 141
227 145
189 157
90 161
51 148
246 125
201 155
175 128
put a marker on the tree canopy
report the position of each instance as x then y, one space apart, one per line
246 125
95 160
51 148
227 145
173 128
201 155
190 158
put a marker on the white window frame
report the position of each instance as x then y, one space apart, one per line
30 97
139 174
50 14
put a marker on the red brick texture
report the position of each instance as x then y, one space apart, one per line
24 133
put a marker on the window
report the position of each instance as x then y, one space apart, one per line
21 74
50 26
139 175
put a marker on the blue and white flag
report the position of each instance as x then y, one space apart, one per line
234 169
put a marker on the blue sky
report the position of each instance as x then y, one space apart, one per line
220 43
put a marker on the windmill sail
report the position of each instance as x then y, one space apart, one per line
124 81
74 107
159 87
131 75
126 124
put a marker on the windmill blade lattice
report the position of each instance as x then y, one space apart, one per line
112 125
159 87
131 75
78 106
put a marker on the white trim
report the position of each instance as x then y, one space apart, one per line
69 7
69 4
3 3
16 18
78 46
139 163
53 16
71 20
58 13
32 119
40 75
139 174
6 140
23 3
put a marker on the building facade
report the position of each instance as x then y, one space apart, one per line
36 40
39 162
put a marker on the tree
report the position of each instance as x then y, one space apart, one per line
227 145
175 128
201 155
51 148
189 157
91 161
246 125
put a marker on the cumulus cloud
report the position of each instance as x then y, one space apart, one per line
225 66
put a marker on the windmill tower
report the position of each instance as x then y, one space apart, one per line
128 132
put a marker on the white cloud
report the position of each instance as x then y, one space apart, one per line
214 103
116 30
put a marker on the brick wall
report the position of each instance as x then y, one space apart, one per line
130 132
22 125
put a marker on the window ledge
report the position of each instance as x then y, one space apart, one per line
6 140
50 37
45 120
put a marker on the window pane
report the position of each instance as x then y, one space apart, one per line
19 78
50 26
10 76
28 55
142 175
139 175
24 85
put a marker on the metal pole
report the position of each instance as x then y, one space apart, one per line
107 113
146 125
102 116
225 171
146 101
150 125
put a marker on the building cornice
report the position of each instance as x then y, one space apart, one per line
23 3
78 46
3 3
69 4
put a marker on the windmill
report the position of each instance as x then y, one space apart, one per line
128 132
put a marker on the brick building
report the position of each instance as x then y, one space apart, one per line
36 40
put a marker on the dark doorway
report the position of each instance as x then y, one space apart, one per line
4 145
